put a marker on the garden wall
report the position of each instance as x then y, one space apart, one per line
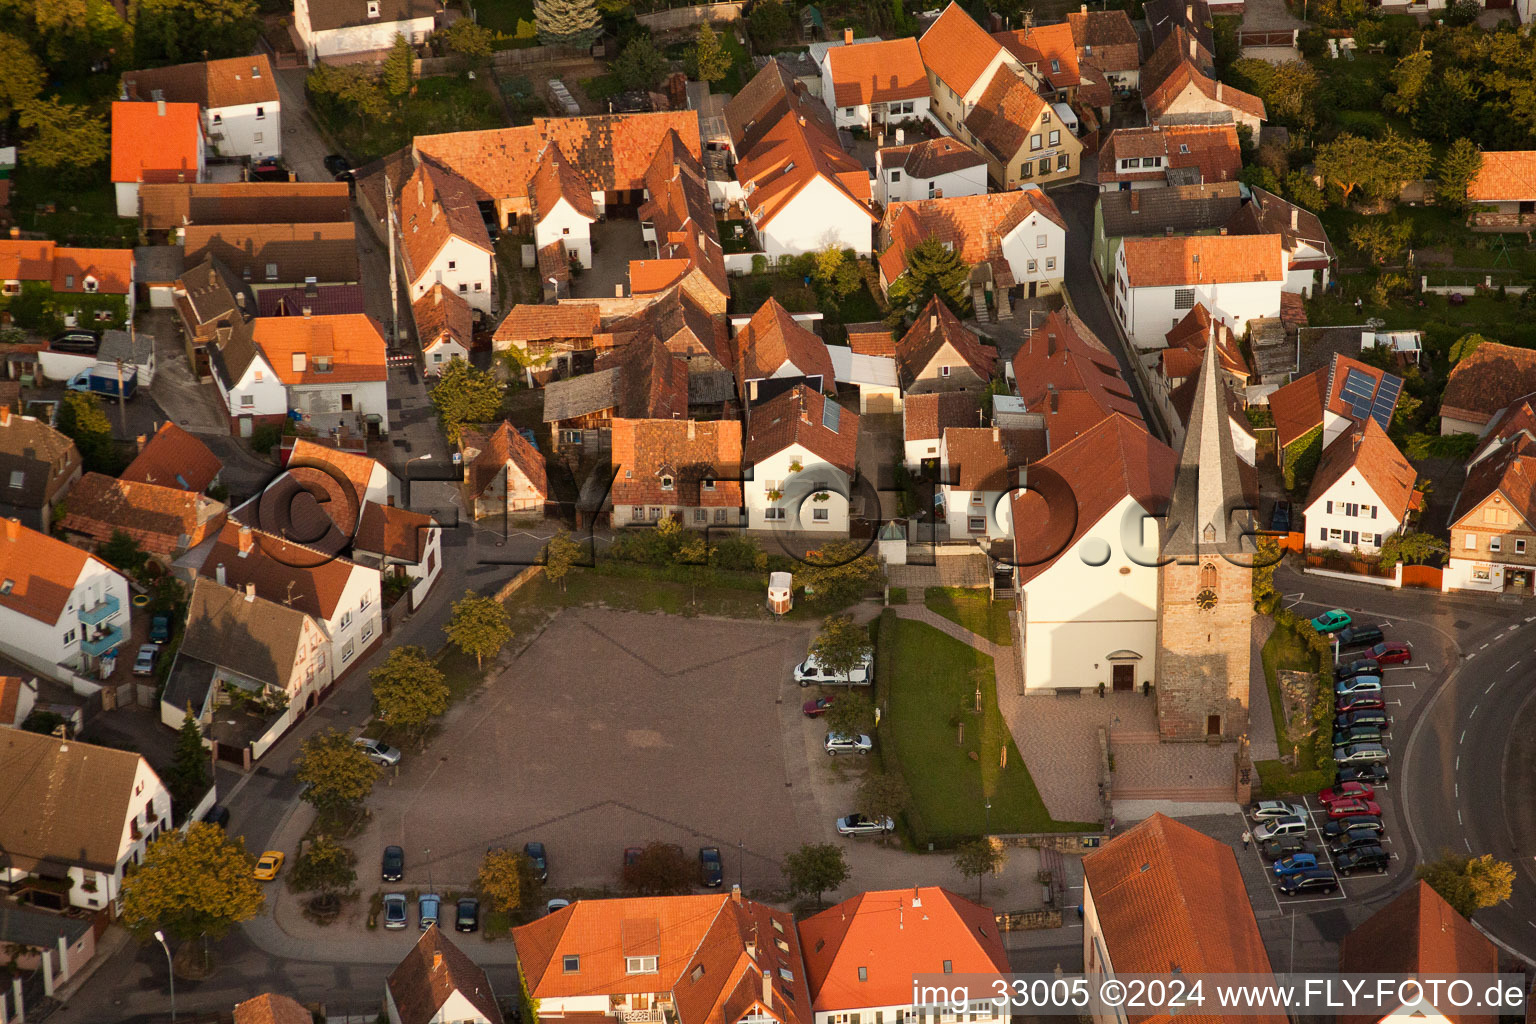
1427 576
526 575
689 17
1469 289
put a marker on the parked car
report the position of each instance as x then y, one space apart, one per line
468 917
535 852
1360 753
808 673
1392 652
144 663
160 629
817 707
858 825
1364 858
711 871
632 854
1294 825
1357 734
427 906
393 868
1304 883
218 815
77 341
1280 518
379 753
1346 791
1281 846
1331 622
269 169
335 164
1359 839
1339 827
1356 637
1358 667
1374 718
1353 808
840 744
1292 863
394 910
1366 700
269 865
1269 810
1359 684
1375 774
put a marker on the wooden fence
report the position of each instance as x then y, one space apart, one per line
691 17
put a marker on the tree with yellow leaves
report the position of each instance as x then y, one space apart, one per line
193 885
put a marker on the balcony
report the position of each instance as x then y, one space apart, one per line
102 642
624 1016
103 609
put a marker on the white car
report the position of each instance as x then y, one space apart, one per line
858 825
808 673
840 744
556 904
1291 825
379 753
1269 810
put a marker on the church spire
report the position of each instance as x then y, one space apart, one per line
1207 486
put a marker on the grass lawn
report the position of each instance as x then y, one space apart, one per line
635 588
1286 650
446 103
82 214
973 610
602 86
897 595
933 683
503 15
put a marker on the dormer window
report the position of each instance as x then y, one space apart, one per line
7 586
666 483
708 484
322 364
373 8
640 965
568 964
1055 67
69 280
89 284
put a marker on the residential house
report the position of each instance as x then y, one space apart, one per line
278 255
1493 522
1309 255
962 63
688 330
172 457
1178 365
165 521
930 169
1503 192
862 954
1158 281
1049 54
774 353
686 470
1312 411
1163 898
978 473
248 667
1493 377
1066 376
1362 492
167 208
874 85
1107 42
154 142
679 217
925 417
342 596
271 1008
1173 154
561 340
642 380
1020 236
800 453
445 327
1088 622
504 474
874 377
209 301
311 300
85 287
368 479
1179 86
802 192
560 202
1177 209
61 610
1024 138
252 392
443 239
332 367
39 465
697 959
437 983
1418 934
939 353
241 111
353 29
402 544
77 817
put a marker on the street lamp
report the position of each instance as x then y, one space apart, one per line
170 969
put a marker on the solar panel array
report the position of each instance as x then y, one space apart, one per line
831 414
1365 398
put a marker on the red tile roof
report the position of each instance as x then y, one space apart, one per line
956 50
1298 406
690 452
789 155
974 226
683 215
866 73
1489 379
1106 39
1169 898
987 458
935 327
1505 177
771 339
1368 449
925 417
436 207
864 951
555 179
1338 373
148 145
25 259
10 697
356 469
442 314
65 269
233 81
646 277
1186 344
1039 45
271 1008
1202 259
1160 102
431 973
352 342
931 157
797 417
1212 149
1510 472
164 521
526 323
1004 115
394 532
1064 372
301 577
42 571
174 458
872 339
504 445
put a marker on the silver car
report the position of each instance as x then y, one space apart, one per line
858 825
1269 810
394 910
379 753
144 663
840 744
1290 825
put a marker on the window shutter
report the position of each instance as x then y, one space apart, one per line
1378 540
1373 511
1329 509
1322 534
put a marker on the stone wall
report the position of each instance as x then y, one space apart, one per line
1204 654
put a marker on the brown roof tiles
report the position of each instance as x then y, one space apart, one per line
931 157
1211 149
935 327
1489 379
163 521
433 971
956 50
436 206
866 73
569 320
772 339
1004 114
174 458
1177 261
797 417
1064 372
925 417
231 82
702 459
974 226
352 343
292 252
555 179
1368 449
504 445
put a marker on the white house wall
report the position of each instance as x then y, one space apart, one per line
798 489
249 129
1147 314
364 38
820 214
463 268
1351 488
1022 247
564 225
357 621
267 395
969 181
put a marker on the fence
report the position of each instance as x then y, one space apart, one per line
1470 289
501 60
527 575
1426 576
690 17
1270 37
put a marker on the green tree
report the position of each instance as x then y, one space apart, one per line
399 67
1398 159
1469 884
640 65
83 420
567 22
1264 561
840 573
1413 548
468 39
336 774
768 23
814 869
480 626
851 714
708 58
172 31
21 75
65 138
660 869
1465 346
192 885
979 858
188 778
326 869
352 88
1289 90
933 270
408 690
1411 77
842 645
1382 240
883 795
561 554
507 880
1458 169
463 395
123 553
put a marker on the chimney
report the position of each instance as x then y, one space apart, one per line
1055 398
1223 230
768 990
847 37
1218 91
12 528
1082 9
250 592
1193 49
220 575
421 193
213 277
389 500
997 435
801 119
933 322
138 440
5 419
240 300
244 543
690 429
159 108
1295 216
805 416
308 311
437 960
735 894
1189 14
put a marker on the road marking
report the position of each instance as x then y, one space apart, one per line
1512 667
1458 763
1470 656
1468 842
1397 702
1456 790
1483 648
1463 737
1474 710
1530 618
1458 817
1490 688
1399 686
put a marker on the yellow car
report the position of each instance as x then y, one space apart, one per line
269 865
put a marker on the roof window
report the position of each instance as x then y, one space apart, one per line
570 964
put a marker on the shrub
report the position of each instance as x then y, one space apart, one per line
265 437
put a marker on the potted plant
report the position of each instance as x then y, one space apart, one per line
775 495
822 496
795 466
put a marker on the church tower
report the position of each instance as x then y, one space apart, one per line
1205 586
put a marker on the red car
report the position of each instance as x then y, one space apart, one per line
1359 702
1345 791
1350 808
814 708
1391 652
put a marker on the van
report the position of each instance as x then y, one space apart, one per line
1292 826
808 673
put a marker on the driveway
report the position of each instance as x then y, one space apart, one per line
304 148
